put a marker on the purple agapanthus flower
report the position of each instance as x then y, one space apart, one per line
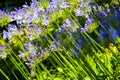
64 5
29 59
22 54
80 39
45 22
12 29
84 4
68 23
53 6
80 46
1 12
46 15
34 4
5 34
75 51
74 29
53 47
37 30
114 33
83 30
78 12
29 46
3 55
33 54
30 37
88 22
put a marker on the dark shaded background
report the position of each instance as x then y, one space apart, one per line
11 4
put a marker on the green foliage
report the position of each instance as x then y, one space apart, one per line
5 20
94 61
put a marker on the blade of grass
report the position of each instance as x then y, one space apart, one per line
4 74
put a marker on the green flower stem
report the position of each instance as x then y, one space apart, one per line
18 67
102 66
76 63
68 63
93 41
46 70
90 71
4 74
84 57
23 66
39 75
11 70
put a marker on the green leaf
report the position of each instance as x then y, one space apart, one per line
60 69
4 21
93 27
58 79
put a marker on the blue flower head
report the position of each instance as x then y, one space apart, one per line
1 12
80 46
5 34
75 51
102 33
80 39
114 34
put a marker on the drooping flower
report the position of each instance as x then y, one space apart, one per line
37 30
22 54
46 15
68 23
78 12
64 5
34 4
80 46
1 12
80 39
45 22
61 30
29 59
12 29
53 48
102 15
3 51
33 54
84 4
88 22
5 34
75 51
3 56
30 37
83 30
53 6
74 29
103 33
114 33
29 47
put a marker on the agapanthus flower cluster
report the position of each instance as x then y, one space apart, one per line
1 13
33 21
33 54
80 10
11 31
33 32
39 31
55 5
88 23
109 19
3 51
69 36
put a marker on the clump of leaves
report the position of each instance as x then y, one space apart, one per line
5 20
